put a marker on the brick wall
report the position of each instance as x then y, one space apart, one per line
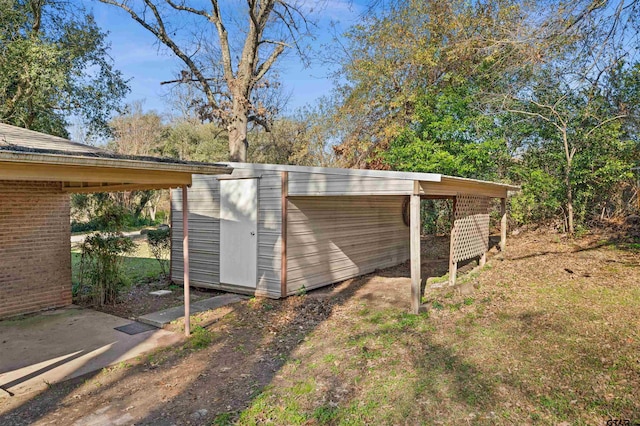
35 264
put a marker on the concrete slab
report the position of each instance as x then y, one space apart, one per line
160 292
161 318
79 238
58 345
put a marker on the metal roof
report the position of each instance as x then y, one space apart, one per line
429 177
18 145
388 174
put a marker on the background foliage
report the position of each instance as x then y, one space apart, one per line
54 64
542 94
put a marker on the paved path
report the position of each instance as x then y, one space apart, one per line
57 345
159 319
80 237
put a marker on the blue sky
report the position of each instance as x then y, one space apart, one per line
136 55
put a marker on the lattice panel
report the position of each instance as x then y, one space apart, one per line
470 234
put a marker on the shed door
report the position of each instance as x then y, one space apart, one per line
239 232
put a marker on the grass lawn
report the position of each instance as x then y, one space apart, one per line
137 266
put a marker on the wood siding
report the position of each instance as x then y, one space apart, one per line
269 238
314 184
204 235
330 239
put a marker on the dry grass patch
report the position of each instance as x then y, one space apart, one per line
551 336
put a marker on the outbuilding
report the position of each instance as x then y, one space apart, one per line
274 230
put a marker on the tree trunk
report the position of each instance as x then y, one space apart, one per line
238 143
569 152
152 211
145 196
567 180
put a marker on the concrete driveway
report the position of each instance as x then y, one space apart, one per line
57 345
79 238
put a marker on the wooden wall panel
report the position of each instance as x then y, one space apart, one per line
309 184
330 239
204 234
269 236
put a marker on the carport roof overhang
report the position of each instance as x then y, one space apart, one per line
100 173
451 186
427 185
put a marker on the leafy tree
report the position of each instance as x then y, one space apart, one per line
136 132
541 93
576 100
580 145
292 140
232 73
54 63
416 49
450 135
193 140
160 245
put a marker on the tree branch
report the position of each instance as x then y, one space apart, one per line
189 80
617 117
223 37
188 9
264 67
260 121
534 114
552 109
161 34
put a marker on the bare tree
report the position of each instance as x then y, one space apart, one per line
231 69
136 132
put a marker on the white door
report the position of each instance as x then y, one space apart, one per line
239 232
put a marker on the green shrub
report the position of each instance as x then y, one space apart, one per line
101 278
160 245
101 267
129 222
436 217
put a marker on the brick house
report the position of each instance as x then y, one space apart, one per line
38 173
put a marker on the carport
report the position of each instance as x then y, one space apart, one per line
37 174
276 230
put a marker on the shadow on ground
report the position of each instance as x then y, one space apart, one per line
532 345
247 350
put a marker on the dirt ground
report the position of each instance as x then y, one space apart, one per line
143 269
137 301
546 334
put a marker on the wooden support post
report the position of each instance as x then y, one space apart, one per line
283 236
483 259
503 224
416 279
453 265
185 254
170 235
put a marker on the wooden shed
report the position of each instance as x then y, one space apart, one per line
38 172
272 230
